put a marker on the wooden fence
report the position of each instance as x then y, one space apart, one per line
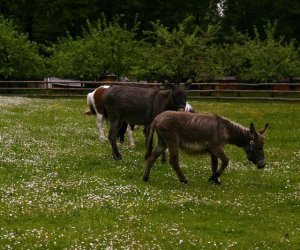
221 90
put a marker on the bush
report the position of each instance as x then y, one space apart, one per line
105 47
262 60
172 55
19 58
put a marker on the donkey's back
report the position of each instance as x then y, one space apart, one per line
200 133
133 104
193 132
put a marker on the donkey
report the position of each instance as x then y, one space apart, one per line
130 127
139 106
95 103
202 133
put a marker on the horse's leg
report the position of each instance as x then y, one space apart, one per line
100 126
174 160
130 135
157 151
113 132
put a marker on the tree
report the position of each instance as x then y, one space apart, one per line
19 58
45 20
173 53
245 14
103 47
262 59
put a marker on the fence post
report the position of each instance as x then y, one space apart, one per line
46 86
217 90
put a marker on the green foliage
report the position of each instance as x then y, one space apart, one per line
61 189
262 60
19 58
104 47
209 60
173 53
270 60
244 14
167 53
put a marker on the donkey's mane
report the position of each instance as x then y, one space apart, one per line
238 134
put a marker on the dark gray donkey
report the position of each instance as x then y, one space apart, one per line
202 133
139 106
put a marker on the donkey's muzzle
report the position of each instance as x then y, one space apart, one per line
260 164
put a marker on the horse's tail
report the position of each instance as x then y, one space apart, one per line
91 110
149 141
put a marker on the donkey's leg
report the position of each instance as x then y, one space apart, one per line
164 156
214 168
113 133
157 151
224 163
122 131
174 161
100 126
219 153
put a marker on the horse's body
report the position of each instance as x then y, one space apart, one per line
139 106
96 107
201 133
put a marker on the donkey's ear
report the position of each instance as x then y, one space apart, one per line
167 85
252 129
263 130
188 83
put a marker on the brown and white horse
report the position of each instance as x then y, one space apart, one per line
202 133
95 103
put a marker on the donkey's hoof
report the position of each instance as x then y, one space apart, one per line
145 179
184 181
117 158
163 160
215 180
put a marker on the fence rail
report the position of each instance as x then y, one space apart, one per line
221 90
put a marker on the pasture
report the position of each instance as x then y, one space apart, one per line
61 189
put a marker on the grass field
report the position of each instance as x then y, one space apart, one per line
61 189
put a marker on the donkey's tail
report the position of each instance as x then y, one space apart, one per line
91 110
149 141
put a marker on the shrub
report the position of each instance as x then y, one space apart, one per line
104 47
173 53
19 58
262 60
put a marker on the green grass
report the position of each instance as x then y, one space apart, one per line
61 189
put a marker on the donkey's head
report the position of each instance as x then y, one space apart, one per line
178 94
255 147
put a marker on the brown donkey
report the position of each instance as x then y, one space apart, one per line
201 133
